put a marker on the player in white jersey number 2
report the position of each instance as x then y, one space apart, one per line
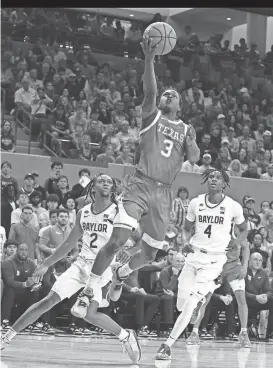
95 225
211 216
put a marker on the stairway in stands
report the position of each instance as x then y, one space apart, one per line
22 140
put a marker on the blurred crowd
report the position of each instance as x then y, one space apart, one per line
83 109
37 217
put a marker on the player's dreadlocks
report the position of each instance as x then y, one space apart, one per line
206 174
90 188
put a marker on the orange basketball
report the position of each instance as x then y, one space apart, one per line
162 35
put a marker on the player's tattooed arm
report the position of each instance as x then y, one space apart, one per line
66 246
149 79
192 150
187 234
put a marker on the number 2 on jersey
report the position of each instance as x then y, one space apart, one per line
168 148
93 237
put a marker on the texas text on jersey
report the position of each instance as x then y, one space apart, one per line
97 229
213 223
161 148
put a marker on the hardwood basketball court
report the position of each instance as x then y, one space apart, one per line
27 351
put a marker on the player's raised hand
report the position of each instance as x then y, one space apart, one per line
191 136
148 50
39 273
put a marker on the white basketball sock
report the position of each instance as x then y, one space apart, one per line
182 321
10 334
93 279
124 270
123 334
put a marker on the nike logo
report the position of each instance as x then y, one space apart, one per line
58 233
26 271
260 277
201 209
85 216
213 262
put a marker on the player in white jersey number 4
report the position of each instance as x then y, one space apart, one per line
211 216
94 224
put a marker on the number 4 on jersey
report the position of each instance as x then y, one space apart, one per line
208 231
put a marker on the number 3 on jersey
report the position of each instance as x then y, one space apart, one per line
93 238
168 148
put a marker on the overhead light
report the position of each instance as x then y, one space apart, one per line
131 15
228 18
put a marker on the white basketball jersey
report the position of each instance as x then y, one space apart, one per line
97 229
213 223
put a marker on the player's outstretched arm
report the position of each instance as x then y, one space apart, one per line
192 150
149 79
65 247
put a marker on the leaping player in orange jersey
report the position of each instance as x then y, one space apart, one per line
147 198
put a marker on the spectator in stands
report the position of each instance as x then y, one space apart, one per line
24 96
77 190
268 143
233 143
104 114
235 169
58 84
206 163
256 247
10 248
167 288
269 223
17 272
180 207
57 53
124 134
35 199
118 115
206 146
113 95
251 172
28 184
269 174
62 190
259 294
107 28
107 157
190 167
133 37
78 125
51 183
16 214
223 160
119 31
33 81
94 131
7 179
60 124
262 214
86 152
125 157
24 232
268 61
37 187
7 137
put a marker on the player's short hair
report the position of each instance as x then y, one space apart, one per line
91 185
206 174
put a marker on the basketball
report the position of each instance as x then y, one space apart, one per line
163 35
